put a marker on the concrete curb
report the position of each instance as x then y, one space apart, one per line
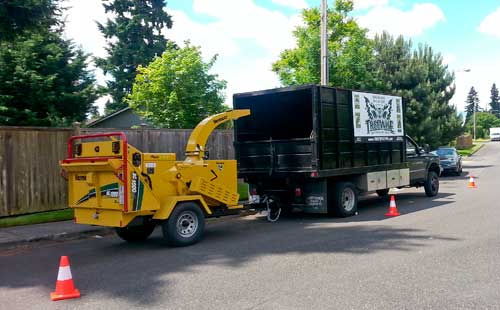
475 151
60 236
481 145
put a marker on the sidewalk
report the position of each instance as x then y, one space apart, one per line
15 236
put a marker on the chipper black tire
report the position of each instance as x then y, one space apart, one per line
136 233
185 225
431 184
344 200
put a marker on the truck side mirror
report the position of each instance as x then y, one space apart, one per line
427 148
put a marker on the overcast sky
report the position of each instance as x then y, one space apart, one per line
248 35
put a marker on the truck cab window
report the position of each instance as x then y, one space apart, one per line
411 149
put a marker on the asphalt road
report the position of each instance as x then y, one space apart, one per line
441 253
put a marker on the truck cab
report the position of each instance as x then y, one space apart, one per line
425 168
495 134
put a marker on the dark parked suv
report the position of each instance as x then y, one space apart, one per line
451 161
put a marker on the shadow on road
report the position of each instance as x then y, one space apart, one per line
465 175
374 209
477 166
111 267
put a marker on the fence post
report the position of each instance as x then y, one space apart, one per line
77 128
145 138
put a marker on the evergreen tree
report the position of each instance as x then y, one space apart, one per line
134 38
426 85
17 16
472 103
44 79
495 101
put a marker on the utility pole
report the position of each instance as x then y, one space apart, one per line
324 43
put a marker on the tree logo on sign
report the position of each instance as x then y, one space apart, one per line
379 115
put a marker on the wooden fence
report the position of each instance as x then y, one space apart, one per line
30 178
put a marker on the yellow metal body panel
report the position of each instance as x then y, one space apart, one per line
99 148
170 203
154 157
212 191
103 217
93 185
155 182
216 173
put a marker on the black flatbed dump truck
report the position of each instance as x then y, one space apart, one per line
317 148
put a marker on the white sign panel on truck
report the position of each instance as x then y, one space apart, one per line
377 118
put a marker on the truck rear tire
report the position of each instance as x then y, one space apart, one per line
431 184
344 201
185 225
382 192
136 233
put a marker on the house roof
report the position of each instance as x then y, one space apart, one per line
97 121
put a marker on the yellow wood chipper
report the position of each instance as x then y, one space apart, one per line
111 183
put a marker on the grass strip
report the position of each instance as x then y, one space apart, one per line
243 191
471 150
37 218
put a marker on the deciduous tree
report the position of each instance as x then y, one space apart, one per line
484 121
349 49
176 90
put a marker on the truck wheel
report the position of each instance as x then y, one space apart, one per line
431 184
345 200
185 225
382 192
136 233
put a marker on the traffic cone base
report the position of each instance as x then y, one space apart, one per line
472 183
65 288
393 210
56 296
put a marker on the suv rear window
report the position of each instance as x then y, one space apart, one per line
445 152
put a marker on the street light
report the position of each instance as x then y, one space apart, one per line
474 108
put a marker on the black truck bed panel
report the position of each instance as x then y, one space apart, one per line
292 155
306 129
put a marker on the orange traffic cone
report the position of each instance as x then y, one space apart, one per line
65 289
393 210
472 183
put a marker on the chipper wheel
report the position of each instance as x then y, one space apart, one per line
185 225
136 233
